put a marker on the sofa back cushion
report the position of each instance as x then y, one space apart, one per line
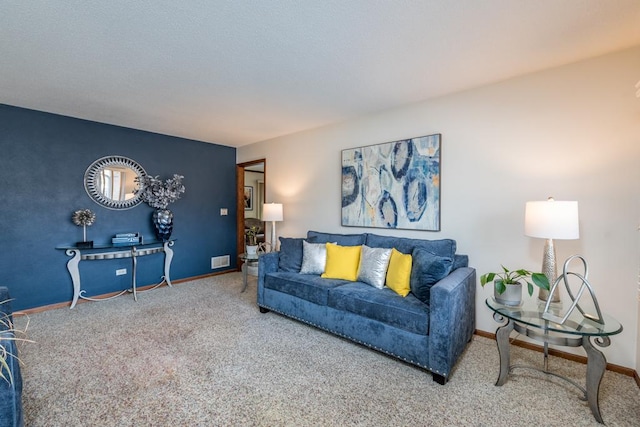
444 247
340 239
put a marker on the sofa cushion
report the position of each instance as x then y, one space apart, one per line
384 305
290 255
373 266
399 272
340 239
443 247
342 262
314 258
427 270
306 286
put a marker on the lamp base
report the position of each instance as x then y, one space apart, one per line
274 242
549 269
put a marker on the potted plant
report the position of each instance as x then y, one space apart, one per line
252 240
508 286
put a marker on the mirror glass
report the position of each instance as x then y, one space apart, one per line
111 182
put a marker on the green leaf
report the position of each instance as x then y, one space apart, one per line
486 278
540 280
529 288
500 286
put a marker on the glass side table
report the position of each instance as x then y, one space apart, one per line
248 261
576 331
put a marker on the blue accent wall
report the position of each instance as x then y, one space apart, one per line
43 158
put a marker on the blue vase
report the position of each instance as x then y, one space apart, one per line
163 221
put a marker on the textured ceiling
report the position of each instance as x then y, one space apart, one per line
237 72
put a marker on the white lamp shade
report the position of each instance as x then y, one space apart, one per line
551 219
272 212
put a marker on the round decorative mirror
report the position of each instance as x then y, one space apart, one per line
112 182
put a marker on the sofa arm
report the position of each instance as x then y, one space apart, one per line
452 319
10 390
267 263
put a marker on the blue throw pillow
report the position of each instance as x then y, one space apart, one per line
428 268
290 255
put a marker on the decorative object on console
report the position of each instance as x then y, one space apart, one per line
550 220
84 218
159 195
393 185
575 299
272 212
127 239
508 286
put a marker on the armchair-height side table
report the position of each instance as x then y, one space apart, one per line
576 331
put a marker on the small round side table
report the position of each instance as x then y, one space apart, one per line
248 261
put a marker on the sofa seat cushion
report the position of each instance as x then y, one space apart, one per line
306 286
384 305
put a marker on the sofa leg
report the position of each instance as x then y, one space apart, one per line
440 379
264 310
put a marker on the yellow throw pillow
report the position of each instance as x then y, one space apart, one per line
342 262
399 273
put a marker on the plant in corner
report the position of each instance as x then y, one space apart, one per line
513 278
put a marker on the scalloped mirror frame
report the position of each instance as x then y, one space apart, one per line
91 181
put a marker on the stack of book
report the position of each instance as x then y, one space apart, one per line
126 239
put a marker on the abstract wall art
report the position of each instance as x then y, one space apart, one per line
393 185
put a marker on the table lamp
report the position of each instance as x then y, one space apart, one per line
272 212
550 220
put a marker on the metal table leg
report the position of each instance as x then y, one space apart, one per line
502 338
245 271
596 364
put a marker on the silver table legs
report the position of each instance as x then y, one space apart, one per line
133 252
596 361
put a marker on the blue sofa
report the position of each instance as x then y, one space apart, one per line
10 392
431 335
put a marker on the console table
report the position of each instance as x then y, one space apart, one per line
576 331
108 251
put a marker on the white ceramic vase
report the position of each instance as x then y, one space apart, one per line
252 251
512 296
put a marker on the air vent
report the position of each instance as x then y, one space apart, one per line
220 261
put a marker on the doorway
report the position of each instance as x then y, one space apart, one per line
251 191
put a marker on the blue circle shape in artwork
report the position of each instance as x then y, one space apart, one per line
350 185
415 194
388 210
401 158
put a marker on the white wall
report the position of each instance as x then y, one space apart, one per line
572 132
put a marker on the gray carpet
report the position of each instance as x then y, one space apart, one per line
201 354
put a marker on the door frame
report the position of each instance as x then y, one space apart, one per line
240 169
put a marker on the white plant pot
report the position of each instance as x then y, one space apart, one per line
252 251
512 296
